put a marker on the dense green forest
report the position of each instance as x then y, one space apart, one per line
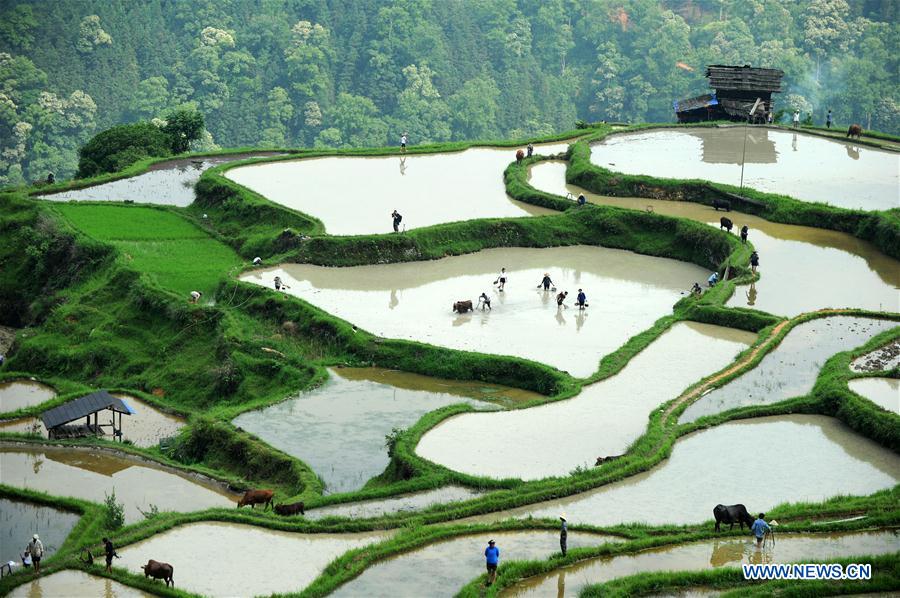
344 73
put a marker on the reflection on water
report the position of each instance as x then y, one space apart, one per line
21 520
627 292
76 584
170 183
356 195
791 369
706 554
396 504
798 264
884 392
805 167
364 404
798 458
605 418
221 559
148 425
442 568
92 474
17 394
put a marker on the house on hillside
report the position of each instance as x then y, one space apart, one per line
736 90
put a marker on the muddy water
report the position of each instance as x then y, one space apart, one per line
868 278
16 394
707 554
170 183
399 504
221 559
442 568
798 458
364 404
884 392
805 167
791 369
626 293
20 520
881 359
605 418
356 195
91 474
23 425
76 584
148 425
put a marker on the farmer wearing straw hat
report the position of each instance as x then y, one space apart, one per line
563 534
36 551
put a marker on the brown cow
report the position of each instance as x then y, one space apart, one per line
291 509
158 570
854 131
256 497
520 155
462 307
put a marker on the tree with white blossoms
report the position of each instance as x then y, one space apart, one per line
609 96
420 109
308 60
91 35
825 28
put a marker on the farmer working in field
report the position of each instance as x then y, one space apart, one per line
759 529
546 282
36 551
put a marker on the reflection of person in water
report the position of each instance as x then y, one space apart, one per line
580 316
561 584
794 143
403 165
751 294
394 301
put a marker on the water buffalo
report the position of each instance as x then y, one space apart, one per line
462 307
291 509
854 131
725 223
722 203
732 514
607 459
158 570
256 497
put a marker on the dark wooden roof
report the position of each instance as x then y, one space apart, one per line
743 78
86 405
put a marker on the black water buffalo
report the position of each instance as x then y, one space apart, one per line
462 307
158 570
722 203
732 514
291 509
854 131
725 223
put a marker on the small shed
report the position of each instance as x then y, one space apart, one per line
737 90
60 421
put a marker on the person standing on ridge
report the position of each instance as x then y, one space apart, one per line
397 218
563 535
796 118
404 139
492 560
36 551
530 150
745 230
754 261
110 551
828 119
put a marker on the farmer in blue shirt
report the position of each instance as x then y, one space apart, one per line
492 558
759 528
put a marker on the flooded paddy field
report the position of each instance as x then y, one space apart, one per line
20 520
23 425
804 458
605 418
91 474
805 167
706 554
17 394
168 183
76 584
626 293
364 404
148 425
442 568
884 392
405 503
221 559
868 278
881 359
790 369
356 195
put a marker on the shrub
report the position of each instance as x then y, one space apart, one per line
113 512
182 127
121 146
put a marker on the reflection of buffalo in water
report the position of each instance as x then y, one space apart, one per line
462 307
732 514
158 570
854 131
725 223
853 152
722 203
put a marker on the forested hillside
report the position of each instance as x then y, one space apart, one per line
360 72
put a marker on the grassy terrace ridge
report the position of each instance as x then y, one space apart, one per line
103 284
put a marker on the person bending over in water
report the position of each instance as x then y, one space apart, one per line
713 279
484 301
582 199
696 290
581 300
279 285
759 529
561 298
546 282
